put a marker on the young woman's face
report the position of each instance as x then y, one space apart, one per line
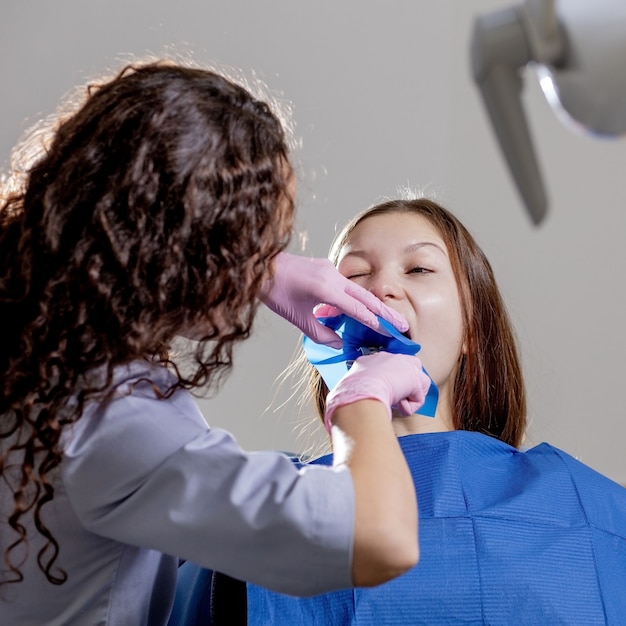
403 260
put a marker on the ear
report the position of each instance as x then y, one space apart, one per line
464 297
466 338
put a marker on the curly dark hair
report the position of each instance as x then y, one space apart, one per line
489 394
156 210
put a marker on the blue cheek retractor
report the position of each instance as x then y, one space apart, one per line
358 340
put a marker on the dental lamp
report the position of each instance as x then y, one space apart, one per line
579 50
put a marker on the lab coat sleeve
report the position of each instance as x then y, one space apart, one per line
151 473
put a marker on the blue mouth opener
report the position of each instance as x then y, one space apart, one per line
358 340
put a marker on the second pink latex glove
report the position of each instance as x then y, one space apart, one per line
397 380
302 283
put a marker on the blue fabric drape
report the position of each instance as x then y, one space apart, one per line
506 537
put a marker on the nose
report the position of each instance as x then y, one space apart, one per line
385 286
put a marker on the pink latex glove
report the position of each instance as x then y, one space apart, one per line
301 283
397 380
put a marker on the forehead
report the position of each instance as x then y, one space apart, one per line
400 226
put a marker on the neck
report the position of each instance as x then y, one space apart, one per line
416 424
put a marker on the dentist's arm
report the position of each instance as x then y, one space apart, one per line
358 415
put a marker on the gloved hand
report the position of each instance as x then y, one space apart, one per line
301 283
397 380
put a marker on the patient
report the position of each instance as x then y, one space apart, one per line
507 536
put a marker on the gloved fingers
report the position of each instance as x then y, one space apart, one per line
300 283
365 300
408 407
412 404
320 333
352 307
407 382
396 380
340 302
326 310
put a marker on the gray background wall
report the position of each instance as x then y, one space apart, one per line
382 98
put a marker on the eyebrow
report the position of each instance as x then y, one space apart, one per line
412 247
421 244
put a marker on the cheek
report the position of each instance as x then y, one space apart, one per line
440 333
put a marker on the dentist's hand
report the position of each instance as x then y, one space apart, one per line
301 283
396 380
